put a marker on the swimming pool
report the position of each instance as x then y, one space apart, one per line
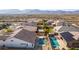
54 42
41 41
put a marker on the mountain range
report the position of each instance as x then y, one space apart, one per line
36 11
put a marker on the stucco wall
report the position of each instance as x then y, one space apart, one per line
1 43
17 43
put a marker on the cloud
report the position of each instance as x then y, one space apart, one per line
39 4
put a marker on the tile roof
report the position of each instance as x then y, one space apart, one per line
67 36
76 37
70 28
3 37
26 35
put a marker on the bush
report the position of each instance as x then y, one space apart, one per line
8 30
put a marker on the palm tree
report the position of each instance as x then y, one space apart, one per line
46 28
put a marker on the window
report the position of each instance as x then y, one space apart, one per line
3 40
11 40
32 44
24 44
3 46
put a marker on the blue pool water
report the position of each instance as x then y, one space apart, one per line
54 42
41 41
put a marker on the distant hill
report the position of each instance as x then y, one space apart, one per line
36 11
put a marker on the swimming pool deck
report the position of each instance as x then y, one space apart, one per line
47 46
62 43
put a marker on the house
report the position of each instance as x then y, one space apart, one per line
71 40
2 41
21 38
30 28
32 22
66 27
69 28
76 37
75 43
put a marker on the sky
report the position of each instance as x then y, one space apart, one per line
39 4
